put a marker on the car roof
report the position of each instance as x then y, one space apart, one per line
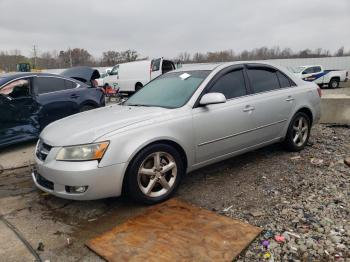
197 67
213 66
10 76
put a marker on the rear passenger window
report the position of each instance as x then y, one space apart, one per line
45 85
263 80
284 81
231 85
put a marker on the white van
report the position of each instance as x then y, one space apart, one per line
132 76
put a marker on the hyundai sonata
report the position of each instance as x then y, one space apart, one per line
179 122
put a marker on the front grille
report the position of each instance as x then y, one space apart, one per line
43 181
42 150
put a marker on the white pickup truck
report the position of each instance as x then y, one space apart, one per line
315 73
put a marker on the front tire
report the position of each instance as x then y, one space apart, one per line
154 174
298 132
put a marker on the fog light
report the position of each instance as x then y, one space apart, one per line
76 189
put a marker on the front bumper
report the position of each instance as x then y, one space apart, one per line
102 182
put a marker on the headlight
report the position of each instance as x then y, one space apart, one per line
83 152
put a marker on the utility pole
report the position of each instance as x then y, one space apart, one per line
35 55
70 58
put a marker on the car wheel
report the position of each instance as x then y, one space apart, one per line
298 132
334 83
138 87
86 108
154 174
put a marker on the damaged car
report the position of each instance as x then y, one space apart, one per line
181 121
31 101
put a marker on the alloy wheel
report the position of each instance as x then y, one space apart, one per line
300 131
157 174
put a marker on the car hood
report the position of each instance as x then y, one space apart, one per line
88 126
82 73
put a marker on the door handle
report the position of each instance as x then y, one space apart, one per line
289 98
74 96
248 108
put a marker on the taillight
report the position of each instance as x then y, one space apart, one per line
319 91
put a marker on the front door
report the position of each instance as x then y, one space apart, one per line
19 115
221 129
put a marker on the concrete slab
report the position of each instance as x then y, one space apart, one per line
335 109
17 156
11 248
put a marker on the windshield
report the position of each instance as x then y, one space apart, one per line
298 69
114 70
171 90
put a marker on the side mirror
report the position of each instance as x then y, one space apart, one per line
212 98
304 73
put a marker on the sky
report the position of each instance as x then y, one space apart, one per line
166 28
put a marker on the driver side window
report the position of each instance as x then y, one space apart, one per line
17 89
232 85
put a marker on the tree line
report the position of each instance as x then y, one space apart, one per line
81 57
65 58
261 53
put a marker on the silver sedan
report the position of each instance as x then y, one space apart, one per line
181 121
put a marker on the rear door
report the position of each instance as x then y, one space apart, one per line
273 102
58 97
18 112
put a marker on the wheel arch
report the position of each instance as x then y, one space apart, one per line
138 83
166 141
306 111
89 103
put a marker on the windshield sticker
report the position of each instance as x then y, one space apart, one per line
184 76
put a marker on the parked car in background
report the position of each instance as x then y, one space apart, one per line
179 122
316 73
131 77
31 101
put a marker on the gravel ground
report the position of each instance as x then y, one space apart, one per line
301 200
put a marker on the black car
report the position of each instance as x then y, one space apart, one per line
31 101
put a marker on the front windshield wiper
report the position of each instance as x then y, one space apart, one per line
136 105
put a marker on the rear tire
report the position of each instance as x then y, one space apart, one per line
334 83
154 174
86 108
298 132
138 87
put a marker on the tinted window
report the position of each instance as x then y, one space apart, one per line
317 69
231 85
70 84
16 89
263 80
309 70
49 84
284 81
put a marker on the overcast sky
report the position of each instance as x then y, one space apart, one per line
167 27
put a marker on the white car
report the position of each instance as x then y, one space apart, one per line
316 73
132 76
